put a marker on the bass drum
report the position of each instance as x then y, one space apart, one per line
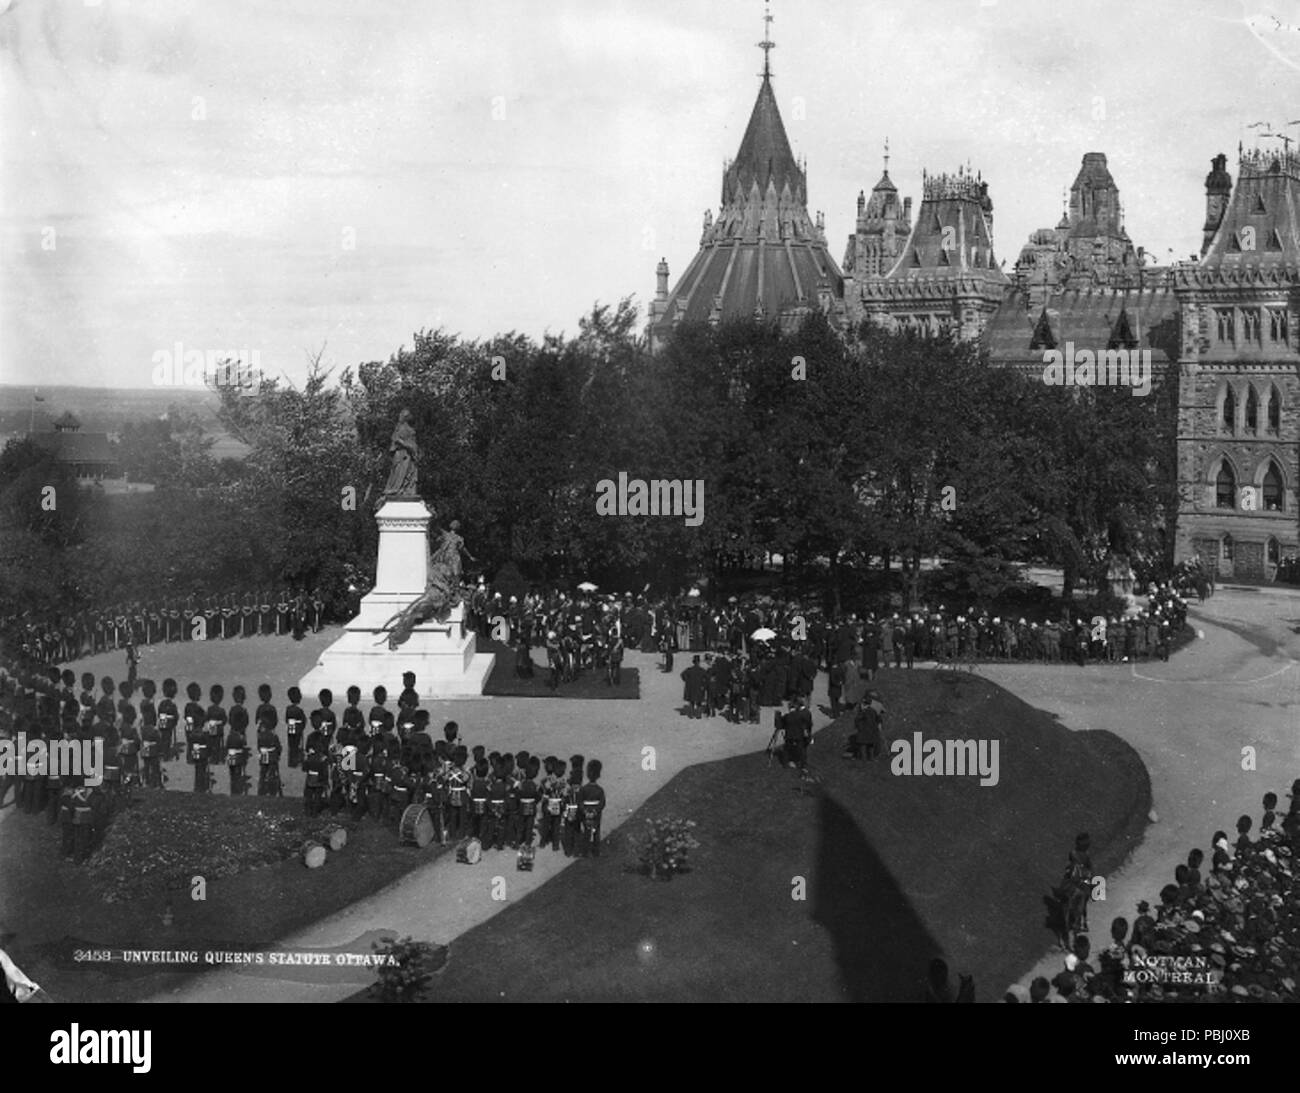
416 828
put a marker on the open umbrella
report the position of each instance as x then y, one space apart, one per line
587 586
763 634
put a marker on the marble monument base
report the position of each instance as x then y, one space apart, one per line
440 654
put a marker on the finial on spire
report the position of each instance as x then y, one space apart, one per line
886 155
767 45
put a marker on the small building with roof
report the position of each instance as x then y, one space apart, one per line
89 456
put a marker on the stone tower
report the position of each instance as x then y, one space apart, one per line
945 276
1239 371
883 225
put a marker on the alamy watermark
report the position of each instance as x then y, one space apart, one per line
53 758
954 758
657 497
240 369
1109 368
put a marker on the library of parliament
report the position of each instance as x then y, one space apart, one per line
1224 327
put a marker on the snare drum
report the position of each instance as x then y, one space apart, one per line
198 752
528 806
128 747
497 809
571 813
148 749
264 756
478 805
234 757
553 805
112 774
416 828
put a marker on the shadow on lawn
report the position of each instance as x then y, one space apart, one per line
882 948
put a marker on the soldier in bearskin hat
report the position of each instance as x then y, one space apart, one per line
168 718
196 737
295 722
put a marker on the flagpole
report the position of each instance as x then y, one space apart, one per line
31 417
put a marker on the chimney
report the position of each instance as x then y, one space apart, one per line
907 212
1218 188
661 277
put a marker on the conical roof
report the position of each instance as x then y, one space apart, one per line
765 153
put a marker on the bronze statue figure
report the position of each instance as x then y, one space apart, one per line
442 590
406 453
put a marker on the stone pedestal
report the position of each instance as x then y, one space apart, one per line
441 654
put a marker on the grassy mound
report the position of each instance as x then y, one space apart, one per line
842 888
161 840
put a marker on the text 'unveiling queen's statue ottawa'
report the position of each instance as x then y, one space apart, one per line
413 619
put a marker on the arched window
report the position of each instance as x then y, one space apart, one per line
1225 488
1227 548
1252 410
1274 552
1273 413
1229 410
1272 488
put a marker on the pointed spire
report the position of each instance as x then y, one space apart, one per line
767 45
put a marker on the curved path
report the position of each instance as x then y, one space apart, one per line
1237 687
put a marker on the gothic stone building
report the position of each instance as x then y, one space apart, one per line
1239 384
1221 328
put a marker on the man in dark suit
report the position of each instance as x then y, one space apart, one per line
696 692
720 684
798 733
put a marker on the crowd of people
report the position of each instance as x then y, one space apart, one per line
372 764
59 639
1228 930
585 630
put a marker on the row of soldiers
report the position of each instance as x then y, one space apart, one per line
377 763
59 639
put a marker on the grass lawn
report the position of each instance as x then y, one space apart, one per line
894 870
254 895
591 682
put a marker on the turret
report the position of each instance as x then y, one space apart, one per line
1218 188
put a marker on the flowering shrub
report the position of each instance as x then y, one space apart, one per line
407 970
662 851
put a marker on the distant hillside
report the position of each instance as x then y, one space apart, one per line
108 409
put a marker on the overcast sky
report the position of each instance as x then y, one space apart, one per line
284 175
